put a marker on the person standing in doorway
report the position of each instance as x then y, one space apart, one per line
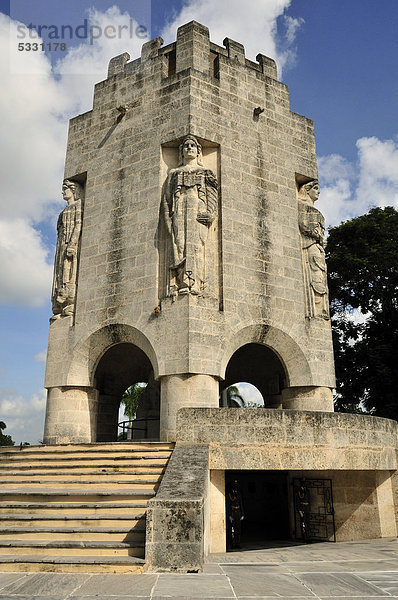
235 515
303 509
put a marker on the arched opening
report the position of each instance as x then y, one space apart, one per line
122 366
259 366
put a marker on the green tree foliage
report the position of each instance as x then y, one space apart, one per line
130 399
362 259
234 398
5 440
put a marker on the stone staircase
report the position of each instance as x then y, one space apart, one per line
77 508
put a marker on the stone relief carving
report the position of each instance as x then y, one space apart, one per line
312 228
65 266
190 202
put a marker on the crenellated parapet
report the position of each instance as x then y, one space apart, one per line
192 50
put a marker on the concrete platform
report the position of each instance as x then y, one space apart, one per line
361 570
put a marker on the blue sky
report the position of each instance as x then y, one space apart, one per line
338 57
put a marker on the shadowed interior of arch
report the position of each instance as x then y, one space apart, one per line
259 366
122 366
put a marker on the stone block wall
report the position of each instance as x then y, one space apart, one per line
177 518
256 438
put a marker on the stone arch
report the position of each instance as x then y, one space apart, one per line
89 352
121 366
295 364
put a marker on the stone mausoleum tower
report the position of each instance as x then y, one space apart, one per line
190 256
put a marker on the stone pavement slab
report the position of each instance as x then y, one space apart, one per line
353 570
338 584
10 596
7 578
369 565
105 597
388 582
193 586
189 597
49 586
256 580
320 566
116 585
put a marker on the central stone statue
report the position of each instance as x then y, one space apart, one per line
190 207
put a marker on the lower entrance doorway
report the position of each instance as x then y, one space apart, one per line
265 502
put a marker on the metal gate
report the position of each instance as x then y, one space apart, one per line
317 518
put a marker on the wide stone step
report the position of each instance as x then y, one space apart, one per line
134 446
70 509
81 468
86 455
95 461
75 487
80 478
78 520
103 493
71 564
83 534
72 548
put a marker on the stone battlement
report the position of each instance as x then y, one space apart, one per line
193 49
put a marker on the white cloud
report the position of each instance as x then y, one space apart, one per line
25 274
335 175
334 167
41 356
35 107
87 64
378 162
24 418
32 148
349 190
252 23
33 136
292 25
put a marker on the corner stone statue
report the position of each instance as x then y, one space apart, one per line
190 207
65 267
312 228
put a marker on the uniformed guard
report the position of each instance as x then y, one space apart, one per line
303 509
235 515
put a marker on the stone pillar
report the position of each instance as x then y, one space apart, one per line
218 541
71 415
180 391
193 48
385 504
308 398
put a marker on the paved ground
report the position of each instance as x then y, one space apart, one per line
355 570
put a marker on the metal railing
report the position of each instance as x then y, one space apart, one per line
128 427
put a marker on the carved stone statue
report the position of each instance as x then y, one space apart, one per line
65 267
190 207
312 228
